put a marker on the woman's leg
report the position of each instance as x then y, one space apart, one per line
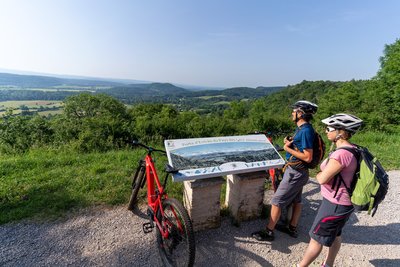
333 251
313 250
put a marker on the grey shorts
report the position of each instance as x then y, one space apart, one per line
329 222
291 187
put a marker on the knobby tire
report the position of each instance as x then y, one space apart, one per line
138 180
179 248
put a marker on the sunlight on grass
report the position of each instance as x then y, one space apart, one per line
45 183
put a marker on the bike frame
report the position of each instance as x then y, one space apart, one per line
155 195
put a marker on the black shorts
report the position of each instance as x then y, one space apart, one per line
329 222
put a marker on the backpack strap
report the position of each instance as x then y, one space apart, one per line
338 177
298 162
289 162
341 181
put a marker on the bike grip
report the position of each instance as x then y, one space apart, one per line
135 142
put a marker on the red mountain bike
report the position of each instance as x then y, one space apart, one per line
275 174
175 236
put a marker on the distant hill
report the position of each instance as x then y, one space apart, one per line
36 87
240 92
150 89
35 81
169 93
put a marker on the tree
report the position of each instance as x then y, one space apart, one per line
237 110
389 76
94 122
389 72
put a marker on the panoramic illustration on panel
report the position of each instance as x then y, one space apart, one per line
208 157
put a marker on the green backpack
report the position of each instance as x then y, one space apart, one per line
370 182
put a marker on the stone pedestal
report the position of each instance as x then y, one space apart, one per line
202 201
244 195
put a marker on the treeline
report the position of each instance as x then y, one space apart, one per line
20 94
101 122
205 101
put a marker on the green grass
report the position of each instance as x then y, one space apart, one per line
30 103
221 103
45 183
206 97
33 105
384 146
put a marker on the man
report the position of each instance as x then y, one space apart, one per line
299 151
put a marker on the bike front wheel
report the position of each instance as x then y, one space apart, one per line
178 248
138 180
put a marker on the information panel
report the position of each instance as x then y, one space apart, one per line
199 158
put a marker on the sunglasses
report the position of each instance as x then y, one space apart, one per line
330 129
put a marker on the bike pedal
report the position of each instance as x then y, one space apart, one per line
148 227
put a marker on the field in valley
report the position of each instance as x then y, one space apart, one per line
42 107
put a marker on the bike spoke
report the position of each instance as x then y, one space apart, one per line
176 247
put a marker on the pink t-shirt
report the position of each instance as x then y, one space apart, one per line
349 165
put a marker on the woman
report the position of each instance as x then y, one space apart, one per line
336 206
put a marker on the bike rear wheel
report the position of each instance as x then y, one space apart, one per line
138 181
178 249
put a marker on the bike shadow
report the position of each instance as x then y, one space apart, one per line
386 262
140 211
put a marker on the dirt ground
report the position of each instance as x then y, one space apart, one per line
114 237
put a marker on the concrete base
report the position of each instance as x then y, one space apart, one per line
202 201
244 195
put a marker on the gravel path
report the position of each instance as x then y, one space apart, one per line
113 237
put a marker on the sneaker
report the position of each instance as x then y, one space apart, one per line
290 230
264 235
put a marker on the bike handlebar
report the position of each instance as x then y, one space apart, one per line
149 149
270 133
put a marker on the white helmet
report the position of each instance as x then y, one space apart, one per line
306 106
343 121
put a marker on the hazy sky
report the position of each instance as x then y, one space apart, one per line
223 43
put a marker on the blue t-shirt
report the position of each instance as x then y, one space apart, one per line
303 139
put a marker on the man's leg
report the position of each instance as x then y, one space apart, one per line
274 217
285 194
268 234
296 212
291 228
